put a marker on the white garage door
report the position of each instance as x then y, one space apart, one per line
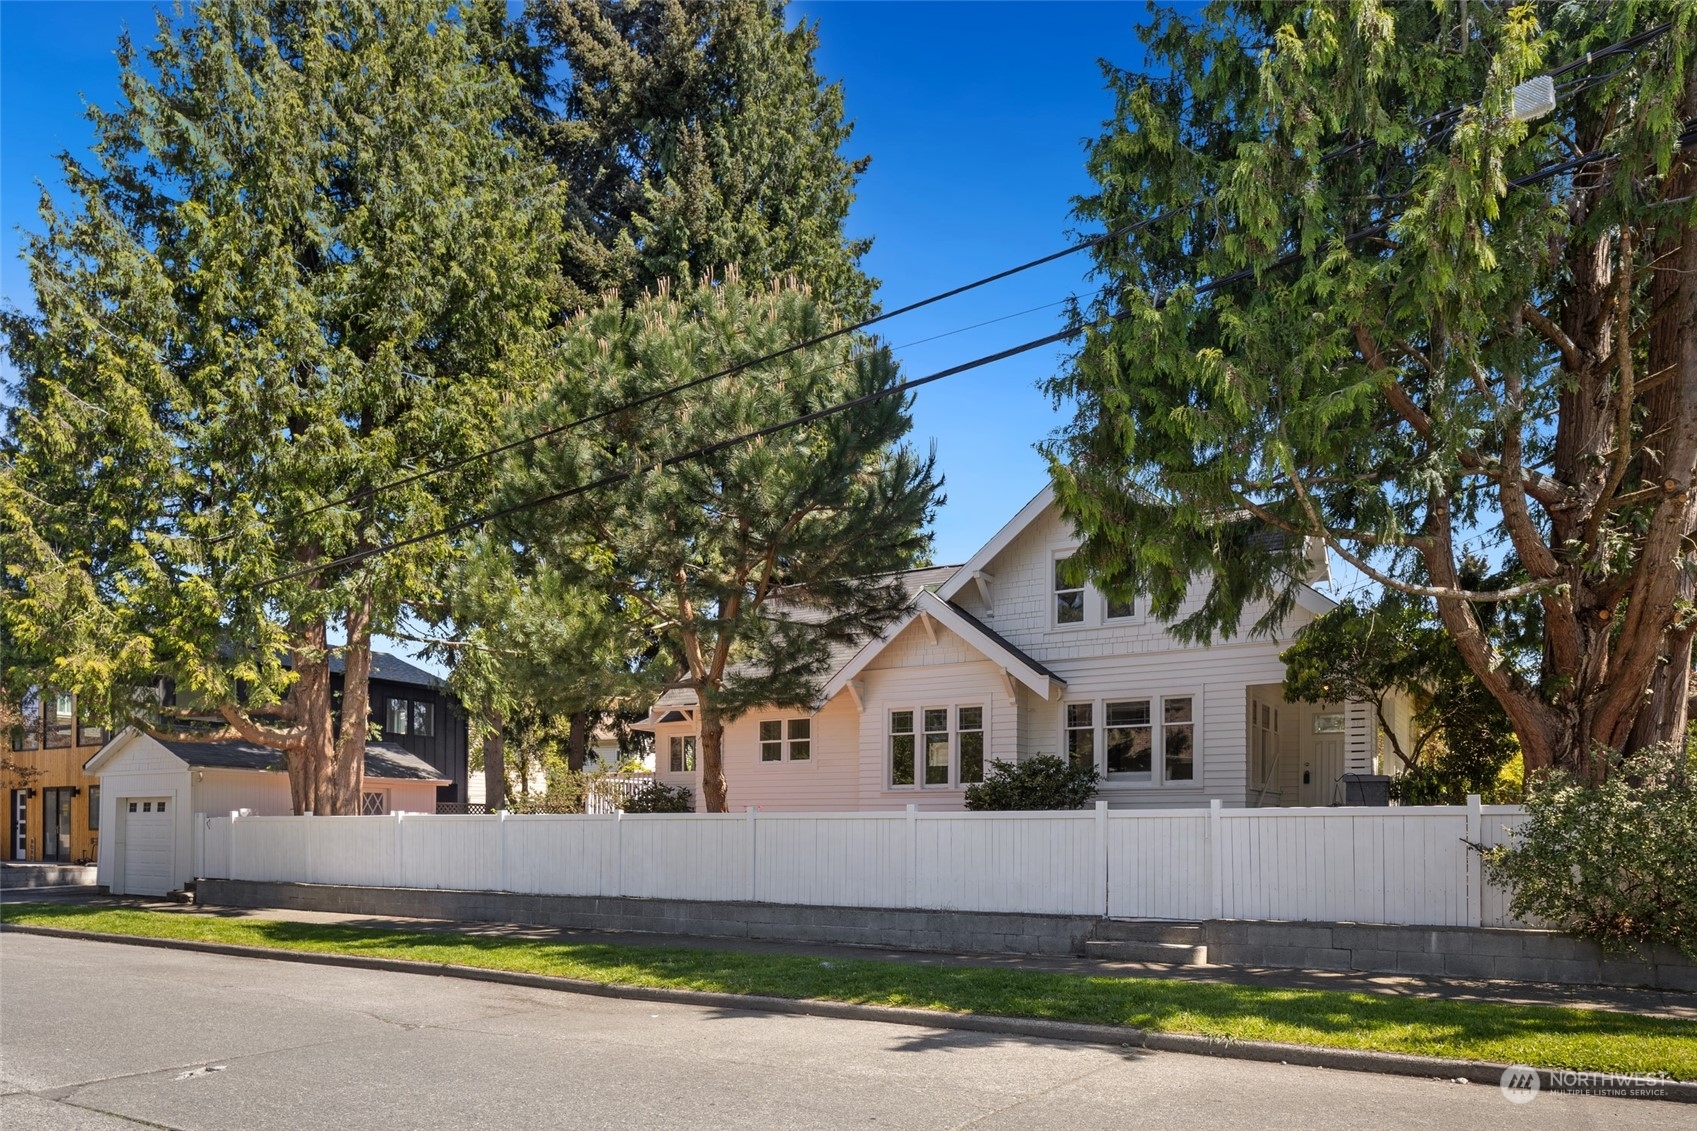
150 835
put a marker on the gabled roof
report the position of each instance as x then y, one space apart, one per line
1307 597
1014 527
393 669
963 624
382 759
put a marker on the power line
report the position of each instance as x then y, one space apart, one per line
1631 44
1686 140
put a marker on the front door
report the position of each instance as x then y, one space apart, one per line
56 824
20 824
1322 769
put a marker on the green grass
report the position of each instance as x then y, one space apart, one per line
1547 1036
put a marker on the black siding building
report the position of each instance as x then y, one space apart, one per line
419 715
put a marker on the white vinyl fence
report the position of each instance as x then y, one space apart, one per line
1408 865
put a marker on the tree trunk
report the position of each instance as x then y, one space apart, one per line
1665 711
577 743
495 767
310 778
713 787
356 710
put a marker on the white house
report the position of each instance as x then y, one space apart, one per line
997 658
150 790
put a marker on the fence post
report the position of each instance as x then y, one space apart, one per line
912 855
230 858
618 853
750 822
400 852
1216 862
306 832
1102 860
200 846
1475 862
501 852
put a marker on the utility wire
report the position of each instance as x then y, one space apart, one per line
1630 44
1686 140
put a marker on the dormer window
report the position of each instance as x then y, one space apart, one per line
1069 593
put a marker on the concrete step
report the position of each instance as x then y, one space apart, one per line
31 874
1126 950
1149 930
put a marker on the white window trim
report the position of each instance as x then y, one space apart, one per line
1056 557
663 756
785 742
953 707
1095 602
1158 754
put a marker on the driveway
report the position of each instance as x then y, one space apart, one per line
105 1036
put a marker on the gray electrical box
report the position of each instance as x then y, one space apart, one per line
1366 789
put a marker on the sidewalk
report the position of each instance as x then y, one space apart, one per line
1652 1003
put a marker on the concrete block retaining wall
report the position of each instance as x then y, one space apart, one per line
1498 953
971 932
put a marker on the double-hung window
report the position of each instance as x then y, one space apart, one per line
937 747
1081 735
1069 593
1150 740
682 753
786 739
1129 739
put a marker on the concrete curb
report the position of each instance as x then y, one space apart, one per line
1311 1056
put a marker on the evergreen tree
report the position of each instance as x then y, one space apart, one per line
310 255
1383 312
697 135
751 561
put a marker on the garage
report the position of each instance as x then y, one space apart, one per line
148 833
152 788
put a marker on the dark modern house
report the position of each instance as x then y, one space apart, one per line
416 711
419 715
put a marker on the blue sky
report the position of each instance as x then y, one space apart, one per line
975 116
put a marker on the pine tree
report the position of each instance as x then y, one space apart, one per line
751 561
309 256
697 135
1382 311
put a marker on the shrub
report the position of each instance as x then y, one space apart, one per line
655 797
1615 862
1039 782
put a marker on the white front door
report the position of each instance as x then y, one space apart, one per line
150 837
1321 770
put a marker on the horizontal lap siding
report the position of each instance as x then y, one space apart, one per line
949 684
842 861
826 782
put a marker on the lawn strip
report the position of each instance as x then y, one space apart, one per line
1547 1036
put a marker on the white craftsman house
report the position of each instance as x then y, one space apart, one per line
999 659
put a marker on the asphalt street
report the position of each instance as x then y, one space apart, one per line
104 1036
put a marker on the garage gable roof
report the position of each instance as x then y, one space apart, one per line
382 759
